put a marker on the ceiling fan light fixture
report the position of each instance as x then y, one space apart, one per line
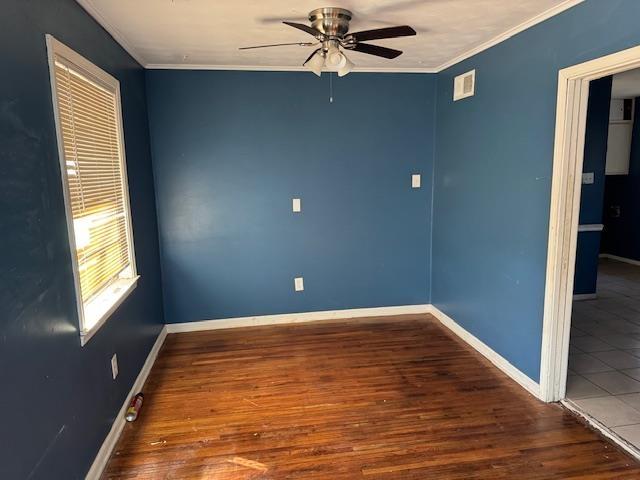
335 59
346 68
316 63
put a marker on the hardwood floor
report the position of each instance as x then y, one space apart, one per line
392 398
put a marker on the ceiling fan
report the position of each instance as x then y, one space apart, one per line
330 27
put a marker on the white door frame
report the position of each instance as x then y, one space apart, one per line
568 156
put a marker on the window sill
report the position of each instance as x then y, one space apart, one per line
102 307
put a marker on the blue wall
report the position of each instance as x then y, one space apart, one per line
492 185
595 150
58 399
230 151
622 233
587 258
592 195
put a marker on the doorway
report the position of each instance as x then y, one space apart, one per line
565 227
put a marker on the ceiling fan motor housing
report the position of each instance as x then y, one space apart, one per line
331 21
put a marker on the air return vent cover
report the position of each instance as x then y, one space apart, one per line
464 85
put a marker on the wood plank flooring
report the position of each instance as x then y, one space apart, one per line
392 398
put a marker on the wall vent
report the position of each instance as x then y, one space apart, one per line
464 86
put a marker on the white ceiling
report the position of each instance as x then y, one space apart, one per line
626 85
207 33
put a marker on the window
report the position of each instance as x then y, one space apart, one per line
86 102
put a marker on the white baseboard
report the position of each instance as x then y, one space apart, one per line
596 227
620 259
114 434
491 355
584 296
627 447
239 322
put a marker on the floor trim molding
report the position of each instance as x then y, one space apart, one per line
116 429
498 360
608 433
261 320
630 261
579 297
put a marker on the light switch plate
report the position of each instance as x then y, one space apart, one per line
114 366
298 284
297 205
588 178
415 181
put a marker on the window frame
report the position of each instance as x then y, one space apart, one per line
113 295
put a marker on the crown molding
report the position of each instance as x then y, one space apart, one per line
263 68
93 11
546 15
119 37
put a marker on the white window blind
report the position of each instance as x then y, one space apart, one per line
94 174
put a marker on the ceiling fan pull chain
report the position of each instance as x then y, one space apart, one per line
330 87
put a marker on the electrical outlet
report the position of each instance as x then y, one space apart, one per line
588 178
415 181
298 284
297 206
114 366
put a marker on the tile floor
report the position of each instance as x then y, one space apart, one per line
604 354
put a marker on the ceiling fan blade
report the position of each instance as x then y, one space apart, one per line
380 33
300 44
376 50
306 28
311 56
